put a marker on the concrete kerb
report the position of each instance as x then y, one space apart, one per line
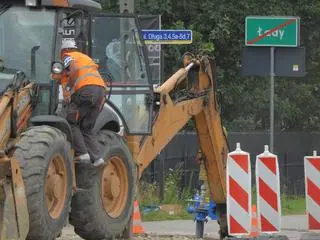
271 237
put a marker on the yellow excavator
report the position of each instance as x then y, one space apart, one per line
42 186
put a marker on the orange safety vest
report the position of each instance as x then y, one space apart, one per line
84 72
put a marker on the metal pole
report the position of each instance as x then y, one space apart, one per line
271 97
162 156
126 6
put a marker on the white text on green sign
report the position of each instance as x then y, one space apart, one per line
272 31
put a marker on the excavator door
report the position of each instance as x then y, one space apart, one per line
117 46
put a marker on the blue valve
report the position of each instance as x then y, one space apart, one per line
202 211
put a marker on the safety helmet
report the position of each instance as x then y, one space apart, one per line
67 61
68 43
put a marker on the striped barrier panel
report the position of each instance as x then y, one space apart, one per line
238 192
268 192
312 188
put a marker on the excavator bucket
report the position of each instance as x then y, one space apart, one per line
14 219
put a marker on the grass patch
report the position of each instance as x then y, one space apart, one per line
174 193
162 216
290 205
293 205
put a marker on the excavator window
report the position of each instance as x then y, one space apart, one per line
22 29
117 47
27 38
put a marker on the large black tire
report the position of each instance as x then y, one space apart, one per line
34 152
88 216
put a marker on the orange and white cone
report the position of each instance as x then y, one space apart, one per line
254 223
137 227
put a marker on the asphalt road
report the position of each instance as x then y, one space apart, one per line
294 227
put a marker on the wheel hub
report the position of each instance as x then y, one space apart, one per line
114 187
111 185
56 186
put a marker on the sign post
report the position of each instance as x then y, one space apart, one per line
271 97
266 31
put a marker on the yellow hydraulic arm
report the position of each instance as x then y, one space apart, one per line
198 102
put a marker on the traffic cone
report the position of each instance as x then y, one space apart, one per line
254 222
137 227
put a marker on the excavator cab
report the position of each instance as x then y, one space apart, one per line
31 34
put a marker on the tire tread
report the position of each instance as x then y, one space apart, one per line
31 153
84 205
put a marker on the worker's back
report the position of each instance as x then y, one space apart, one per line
84 71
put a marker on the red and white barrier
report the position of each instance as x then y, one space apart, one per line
268 192
239 192
312 188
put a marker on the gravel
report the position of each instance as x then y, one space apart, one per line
68 234
293 226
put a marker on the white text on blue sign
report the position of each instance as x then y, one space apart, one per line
167 36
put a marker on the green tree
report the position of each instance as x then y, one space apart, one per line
219 28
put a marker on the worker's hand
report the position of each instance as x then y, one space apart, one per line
57 77
66 96
66 93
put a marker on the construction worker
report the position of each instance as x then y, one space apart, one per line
85 90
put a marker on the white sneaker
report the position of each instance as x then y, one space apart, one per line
98 162
84 158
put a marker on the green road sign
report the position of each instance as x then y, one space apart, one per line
272 31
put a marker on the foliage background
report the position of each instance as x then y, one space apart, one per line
218 27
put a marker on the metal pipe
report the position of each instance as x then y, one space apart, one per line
174 80
187 68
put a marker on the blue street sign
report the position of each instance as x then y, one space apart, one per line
167 36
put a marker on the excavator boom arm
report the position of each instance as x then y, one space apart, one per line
174 114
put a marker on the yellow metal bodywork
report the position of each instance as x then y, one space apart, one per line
14 210
15 111
173 116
